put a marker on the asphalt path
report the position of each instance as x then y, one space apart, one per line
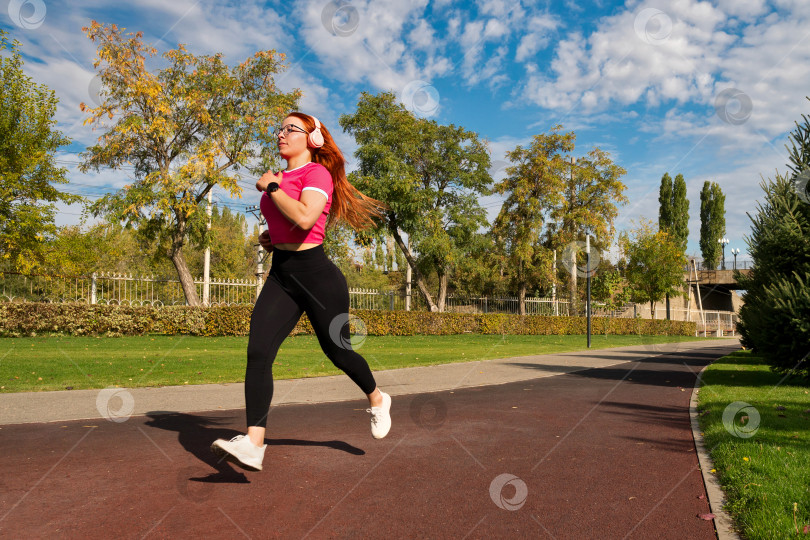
598 453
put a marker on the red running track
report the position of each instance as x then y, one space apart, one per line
602 453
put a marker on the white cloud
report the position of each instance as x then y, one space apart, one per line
539 32
422 37
372 50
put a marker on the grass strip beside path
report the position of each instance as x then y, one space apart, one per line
68 362
756 425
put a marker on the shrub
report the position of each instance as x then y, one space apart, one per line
28 319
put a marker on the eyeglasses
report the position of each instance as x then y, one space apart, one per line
289 128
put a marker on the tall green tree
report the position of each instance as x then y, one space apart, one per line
665 209
775 317
654 264
673 209
431 176
712 223
534 186
673 213
185 128
679 229
29 141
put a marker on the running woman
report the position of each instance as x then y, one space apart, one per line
297 204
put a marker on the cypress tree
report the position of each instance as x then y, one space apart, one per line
665 204
680 213
712 223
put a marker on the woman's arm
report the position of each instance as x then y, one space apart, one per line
304 213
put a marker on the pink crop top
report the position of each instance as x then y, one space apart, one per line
312 176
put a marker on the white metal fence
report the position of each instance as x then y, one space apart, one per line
120 289
123 289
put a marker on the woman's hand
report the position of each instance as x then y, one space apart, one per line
264 240
266 178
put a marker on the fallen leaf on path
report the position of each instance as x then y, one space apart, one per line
701 496
707 517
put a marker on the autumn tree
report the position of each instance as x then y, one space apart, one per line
654 264
28 168
431 176
535 186
185 128
712 223
591 191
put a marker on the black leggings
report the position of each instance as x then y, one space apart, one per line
299 282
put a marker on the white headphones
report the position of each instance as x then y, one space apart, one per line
315 137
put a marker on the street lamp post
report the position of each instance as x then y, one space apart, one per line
735 252
723 241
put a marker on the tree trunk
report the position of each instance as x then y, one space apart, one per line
176 255
442 290
420 282
522 299
652 310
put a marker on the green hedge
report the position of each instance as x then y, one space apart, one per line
31 319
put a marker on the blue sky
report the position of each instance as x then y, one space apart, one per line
706 89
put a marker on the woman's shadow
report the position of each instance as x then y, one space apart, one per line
196 433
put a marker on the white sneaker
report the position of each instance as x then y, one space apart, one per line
381 418
240 451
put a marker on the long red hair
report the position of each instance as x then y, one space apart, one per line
348 203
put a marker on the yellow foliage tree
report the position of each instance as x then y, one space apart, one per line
185 128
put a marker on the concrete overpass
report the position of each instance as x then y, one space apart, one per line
716 278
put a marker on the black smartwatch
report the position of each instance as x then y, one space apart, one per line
272 187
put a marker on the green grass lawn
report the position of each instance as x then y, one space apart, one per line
59 363
761 453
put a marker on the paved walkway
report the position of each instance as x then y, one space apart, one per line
592 444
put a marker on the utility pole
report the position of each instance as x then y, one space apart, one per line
261 255
588 270
408 279
206 299
554 285
572 288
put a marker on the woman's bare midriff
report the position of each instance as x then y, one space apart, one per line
294 247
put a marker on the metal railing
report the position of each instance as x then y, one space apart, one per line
730 264
120 289
128 290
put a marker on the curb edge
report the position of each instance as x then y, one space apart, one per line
723 524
